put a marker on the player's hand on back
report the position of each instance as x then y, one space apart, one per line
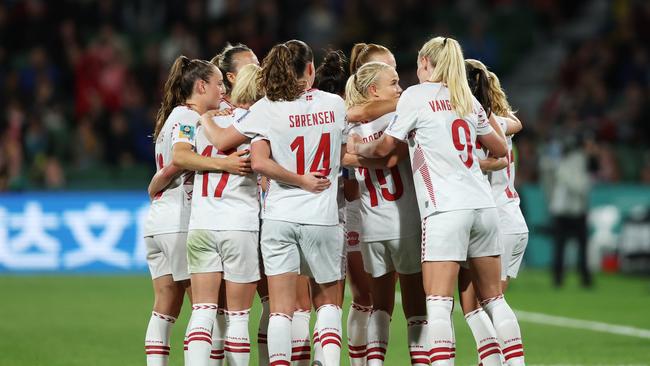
353 140
238 163
314 182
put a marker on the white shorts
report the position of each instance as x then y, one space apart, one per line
399 255
461 234
167 254
316 251
514 246
233 252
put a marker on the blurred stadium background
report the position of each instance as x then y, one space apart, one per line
81 81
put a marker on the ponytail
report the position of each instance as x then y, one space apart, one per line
180 86
446 57
500 104
361 53
477 78
331 75
246 90
356 89
282 70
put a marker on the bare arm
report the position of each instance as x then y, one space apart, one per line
371 110
183 157
493 164
263 164
162 179
400 152
375 149
513 125
221 138
494 141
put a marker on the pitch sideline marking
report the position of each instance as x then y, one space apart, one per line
560 321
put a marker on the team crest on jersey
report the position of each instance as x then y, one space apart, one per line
186 132
309 97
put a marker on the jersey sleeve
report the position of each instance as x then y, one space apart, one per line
340 117
405 118
482 123
253 122
184 130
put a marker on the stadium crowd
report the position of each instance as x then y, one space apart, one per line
80 82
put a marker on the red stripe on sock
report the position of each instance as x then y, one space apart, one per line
440 357
489 353
199 333
330 334
157 347
357 348
358 355
301 349
237 350
488 346
217 351
441 349
300 357
424 361
166 353
235 344
418 353
513 355
377 349
512 348
221 357
375 357
330 341
280 363
204 339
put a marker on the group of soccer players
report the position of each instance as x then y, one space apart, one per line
284 178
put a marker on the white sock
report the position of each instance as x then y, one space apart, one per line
507 329
378 333
329 332
156 340
487 344
261 333
441 336
318 350
217 354
185 353
300 342
237 344
280 342
357 326
452 355
199 336
417 340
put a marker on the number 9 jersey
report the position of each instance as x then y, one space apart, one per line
445 167
305 136
223 201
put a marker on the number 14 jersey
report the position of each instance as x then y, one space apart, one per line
387 195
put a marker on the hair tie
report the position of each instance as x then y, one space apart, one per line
444 42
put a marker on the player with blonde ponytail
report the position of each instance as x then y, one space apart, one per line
390 231
441 120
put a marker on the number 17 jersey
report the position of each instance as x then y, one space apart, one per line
223 201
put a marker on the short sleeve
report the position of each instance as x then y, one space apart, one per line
405 118
254 122
341 118
184 130
482 123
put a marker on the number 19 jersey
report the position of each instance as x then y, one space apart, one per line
305 136
387 195
445 167
223 201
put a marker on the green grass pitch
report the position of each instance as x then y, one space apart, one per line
101 320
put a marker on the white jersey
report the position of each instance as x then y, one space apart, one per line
511 220
223 201
443 157
225 104
305 136
387 195
170 210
